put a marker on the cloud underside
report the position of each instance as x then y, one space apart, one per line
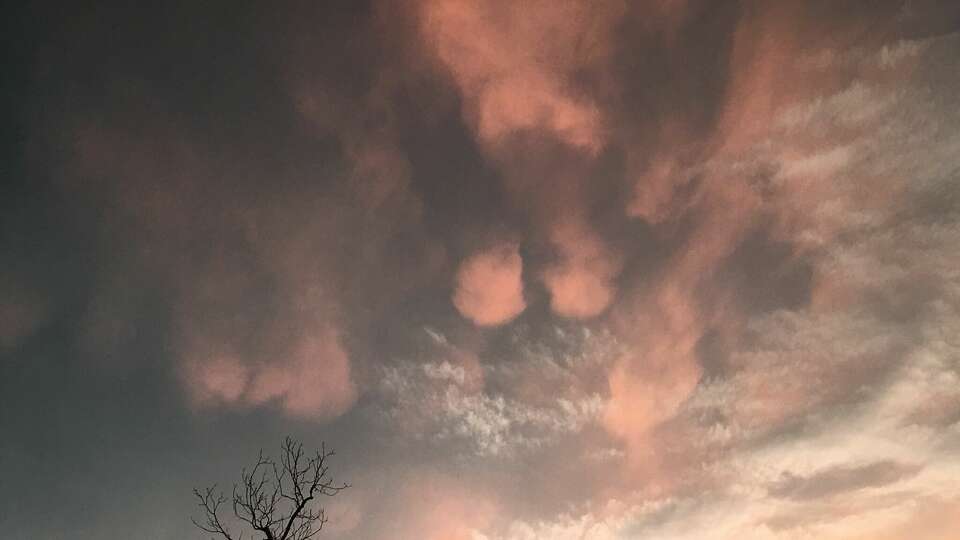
733 314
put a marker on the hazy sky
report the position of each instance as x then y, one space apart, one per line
539 269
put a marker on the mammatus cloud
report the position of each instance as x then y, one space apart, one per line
820 425
800 135
581 283
301 366
489 285
314 378
710 288
511 99
273 260
316 382
514 64
282 349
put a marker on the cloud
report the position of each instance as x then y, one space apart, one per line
491 424
653 194
222 378
493 410
657 175
447 510
667 320
838 480
254 319
935 521
581 283
514 64
815 428
489 285
517 69
790 146
315 382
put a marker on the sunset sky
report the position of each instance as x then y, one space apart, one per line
535 269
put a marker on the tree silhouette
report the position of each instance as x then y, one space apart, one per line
278 500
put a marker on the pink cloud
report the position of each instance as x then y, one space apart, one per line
443 508
581 282
654 191
220 379
520 68
648 386
489 285
937 520
767 118
230 354
315 382
513 63
665 322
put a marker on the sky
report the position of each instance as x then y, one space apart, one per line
551 269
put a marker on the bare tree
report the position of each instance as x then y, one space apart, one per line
278 500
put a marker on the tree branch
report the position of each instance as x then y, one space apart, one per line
278 500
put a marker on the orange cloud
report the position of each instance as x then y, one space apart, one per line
520 68
314 382
648 386
444 509
284 348
763 71
513 63
581 283
219 379
654 192
938 520
665 324
804 121
489 285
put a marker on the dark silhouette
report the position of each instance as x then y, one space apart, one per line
277 500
